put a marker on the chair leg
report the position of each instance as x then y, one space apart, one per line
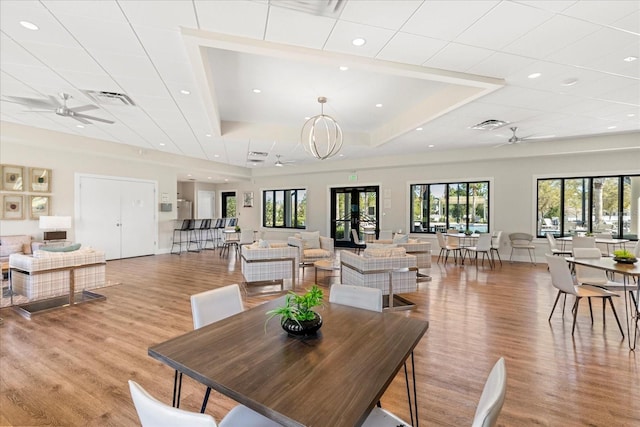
499 259
616 316
206 399
590 310
575 314
554 305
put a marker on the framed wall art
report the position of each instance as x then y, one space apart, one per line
39 180
12 207
40 205
248 199
13 178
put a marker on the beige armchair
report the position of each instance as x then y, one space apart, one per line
418 248
273 263
312 247
390 269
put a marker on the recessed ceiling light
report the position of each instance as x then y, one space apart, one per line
209 177
256 91
29 25
162 144
611 127
216 155
226 180
430 145
534 75
418 128
343 68
569 82
185 92
307 118
631 115
358 41
189 174
208 135
80 126
630 58
379 105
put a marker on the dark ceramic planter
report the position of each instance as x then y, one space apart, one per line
303 328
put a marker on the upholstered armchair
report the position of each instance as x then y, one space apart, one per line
416 247
376 267
266 263
312 247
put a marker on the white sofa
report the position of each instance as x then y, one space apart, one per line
47 274
420 249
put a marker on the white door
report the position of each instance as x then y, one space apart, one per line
117 216
206 204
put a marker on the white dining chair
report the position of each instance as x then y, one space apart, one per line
495 246
356 296
359 244
596 277
448 245
487 411
553 246
153 413
483 246
520 241
583 242
562 280
211 306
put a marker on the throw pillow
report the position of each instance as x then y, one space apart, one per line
69 248
401 238
310 239
263 244
6 250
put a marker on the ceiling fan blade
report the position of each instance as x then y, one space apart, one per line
85 116
51 104
80 119
84 108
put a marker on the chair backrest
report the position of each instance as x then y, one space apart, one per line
441 241
186 223
636 249
205 224
354 234
210 306
520 238
552 241
492 398
191 224
453 231
495 240
560 274
484 242
153 413
356 296
219 223
589 275
232 222
583 242
385 235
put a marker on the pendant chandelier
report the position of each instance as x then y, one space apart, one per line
321 135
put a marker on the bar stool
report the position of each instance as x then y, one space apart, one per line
205 234
217 232
180 233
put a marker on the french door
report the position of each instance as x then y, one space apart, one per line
354 208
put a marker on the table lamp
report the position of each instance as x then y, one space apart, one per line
57 223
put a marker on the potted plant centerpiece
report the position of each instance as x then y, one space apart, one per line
624 256
296 315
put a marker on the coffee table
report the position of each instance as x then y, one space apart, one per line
332 264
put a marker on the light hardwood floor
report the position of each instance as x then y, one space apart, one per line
70 367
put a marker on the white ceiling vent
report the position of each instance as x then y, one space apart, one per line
328 8
109 98
258 154
489 125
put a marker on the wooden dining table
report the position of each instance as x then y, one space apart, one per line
628 271
332 379
610 243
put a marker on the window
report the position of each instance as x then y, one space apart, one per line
284 208
439 207
599 204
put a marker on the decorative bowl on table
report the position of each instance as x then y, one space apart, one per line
625 260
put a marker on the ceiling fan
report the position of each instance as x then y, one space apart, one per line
60 108
515 139
279 163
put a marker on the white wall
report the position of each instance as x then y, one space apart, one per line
512 189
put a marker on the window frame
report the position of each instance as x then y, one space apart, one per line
292 200
445 213
588 203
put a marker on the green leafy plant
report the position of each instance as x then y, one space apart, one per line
298 307
237 228
623 253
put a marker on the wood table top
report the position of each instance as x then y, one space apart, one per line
333 379
608 264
